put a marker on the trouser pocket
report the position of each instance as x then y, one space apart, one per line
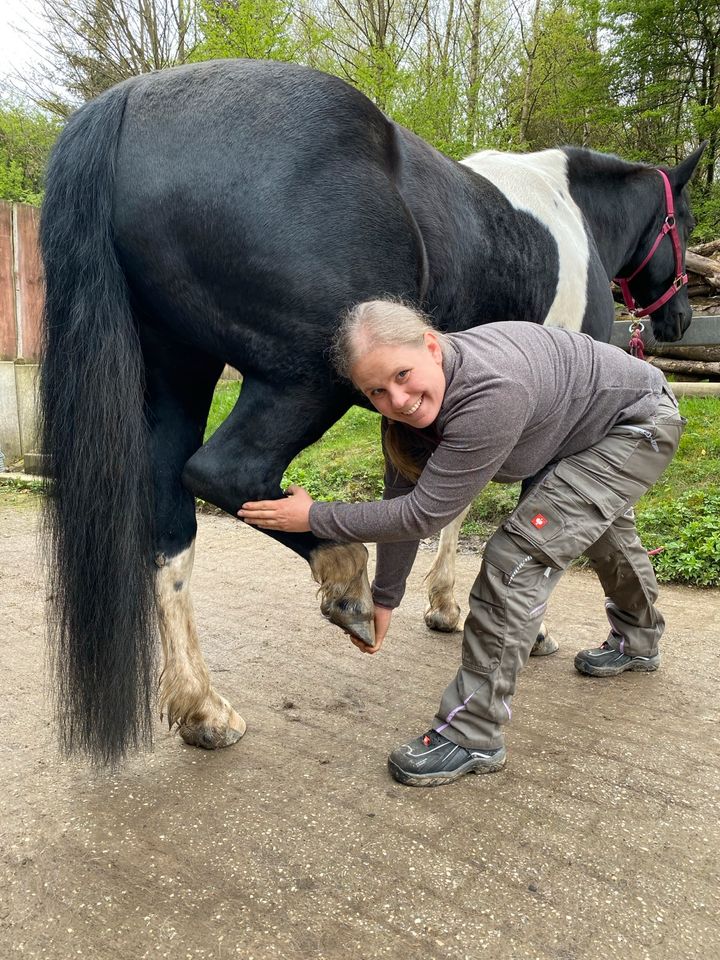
563 514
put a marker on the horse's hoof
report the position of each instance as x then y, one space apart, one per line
210 737
544 645
444 619
352 619
211 734
346 599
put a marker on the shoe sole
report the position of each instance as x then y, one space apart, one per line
634 666
438 779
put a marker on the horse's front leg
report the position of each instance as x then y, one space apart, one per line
245 460
443 612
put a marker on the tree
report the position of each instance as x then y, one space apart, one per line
26 137
666 56
92 44
565 81
259 29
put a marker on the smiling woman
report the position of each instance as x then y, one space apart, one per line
587 428
403 380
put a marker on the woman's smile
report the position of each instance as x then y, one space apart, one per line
413 409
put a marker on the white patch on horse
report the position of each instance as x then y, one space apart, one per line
537 183
186 693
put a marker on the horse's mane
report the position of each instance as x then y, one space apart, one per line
606 163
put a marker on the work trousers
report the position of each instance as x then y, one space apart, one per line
582 504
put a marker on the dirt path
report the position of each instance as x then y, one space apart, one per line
600 840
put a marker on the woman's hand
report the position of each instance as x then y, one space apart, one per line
383 616
291 514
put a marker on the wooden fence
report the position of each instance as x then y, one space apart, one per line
20 282
21 292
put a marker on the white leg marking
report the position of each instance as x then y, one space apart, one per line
185 682
186 693
537 183
443 612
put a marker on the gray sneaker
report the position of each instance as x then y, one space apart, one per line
433 760
609 661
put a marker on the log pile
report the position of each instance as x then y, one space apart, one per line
703 267
702 362
696 362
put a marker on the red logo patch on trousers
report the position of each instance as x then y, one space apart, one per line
539 521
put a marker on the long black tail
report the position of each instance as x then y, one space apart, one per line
98 518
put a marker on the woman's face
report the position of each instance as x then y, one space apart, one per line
403 383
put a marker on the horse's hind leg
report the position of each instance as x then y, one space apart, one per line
179 393
443 612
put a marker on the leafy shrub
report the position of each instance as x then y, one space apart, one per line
688 531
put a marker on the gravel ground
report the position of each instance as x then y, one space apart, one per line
601 839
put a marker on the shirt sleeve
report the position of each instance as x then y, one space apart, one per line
393 561
477 437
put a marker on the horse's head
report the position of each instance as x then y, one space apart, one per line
654 281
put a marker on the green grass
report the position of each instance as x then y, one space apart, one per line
679 513
19 493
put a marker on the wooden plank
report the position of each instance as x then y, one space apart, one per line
695 389
7 284
30 278
703 331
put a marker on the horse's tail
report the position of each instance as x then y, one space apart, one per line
98 517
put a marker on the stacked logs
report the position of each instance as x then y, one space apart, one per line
703 267
694 363
698 362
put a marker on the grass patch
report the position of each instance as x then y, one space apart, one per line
20 493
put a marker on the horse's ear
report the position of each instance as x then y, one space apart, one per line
681 174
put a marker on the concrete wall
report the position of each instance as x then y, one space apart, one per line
18 417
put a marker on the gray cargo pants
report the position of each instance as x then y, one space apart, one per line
583 504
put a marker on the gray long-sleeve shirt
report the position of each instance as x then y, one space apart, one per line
518 396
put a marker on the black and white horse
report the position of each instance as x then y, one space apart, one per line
226 213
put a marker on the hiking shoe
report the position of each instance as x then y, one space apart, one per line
609 661
544 645
433 759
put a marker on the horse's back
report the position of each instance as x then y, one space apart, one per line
259 190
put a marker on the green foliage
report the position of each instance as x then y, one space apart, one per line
257 29
706 209
688 537
26 138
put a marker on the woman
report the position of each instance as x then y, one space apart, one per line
591 426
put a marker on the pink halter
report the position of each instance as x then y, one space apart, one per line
680 280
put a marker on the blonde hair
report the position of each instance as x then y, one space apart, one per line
375 323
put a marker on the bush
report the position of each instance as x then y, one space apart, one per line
688 534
